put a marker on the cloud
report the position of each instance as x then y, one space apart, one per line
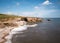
10 13
41 10
36 7
17 3
44 5
41 13
27 13
47 12
47 2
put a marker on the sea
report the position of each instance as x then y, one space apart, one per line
45 32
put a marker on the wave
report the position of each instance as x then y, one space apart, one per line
16 31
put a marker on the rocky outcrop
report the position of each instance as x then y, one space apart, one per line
34 19
9 18
30 19
3 33
7 23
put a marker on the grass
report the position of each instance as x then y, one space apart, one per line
6 17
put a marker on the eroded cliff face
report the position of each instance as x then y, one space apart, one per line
12 18
11 21
8 22
29 19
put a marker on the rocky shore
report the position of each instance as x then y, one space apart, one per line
9 23
6 29
3 33
12 18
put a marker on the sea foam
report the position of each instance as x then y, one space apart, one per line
16 31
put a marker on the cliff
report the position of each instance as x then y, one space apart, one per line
7 22
9 18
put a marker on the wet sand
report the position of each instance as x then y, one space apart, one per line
45 32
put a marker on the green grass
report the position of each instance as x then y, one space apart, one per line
3 16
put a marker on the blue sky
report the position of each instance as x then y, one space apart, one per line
34 8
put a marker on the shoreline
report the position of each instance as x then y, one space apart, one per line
6 32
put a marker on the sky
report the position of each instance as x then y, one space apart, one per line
31 8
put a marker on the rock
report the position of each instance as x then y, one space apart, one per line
48 20
2 25
2 40
4 33
11 24
30 19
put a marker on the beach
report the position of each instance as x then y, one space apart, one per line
7 33
44 32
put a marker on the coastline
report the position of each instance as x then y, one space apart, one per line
45 32
9 22
5 32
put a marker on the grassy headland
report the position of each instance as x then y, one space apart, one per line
8 20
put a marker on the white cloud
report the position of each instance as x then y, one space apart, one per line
47 2
28 13
17 3
41 13
47 12
36 7
10 13
43 5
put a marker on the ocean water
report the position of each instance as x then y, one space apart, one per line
44 32
17 30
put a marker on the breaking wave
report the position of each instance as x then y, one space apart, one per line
16 31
